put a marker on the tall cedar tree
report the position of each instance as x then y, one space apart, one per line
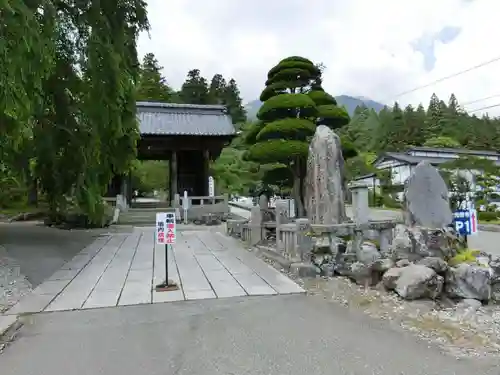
152 86
195 89
293 104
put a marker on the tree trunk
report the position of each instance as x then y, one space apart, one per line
298 189
33 193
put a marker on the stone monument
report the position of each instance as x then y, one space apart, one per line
324 184
426 201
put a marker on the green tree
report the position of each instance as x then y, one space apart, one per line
396 132
152 86
414 121
233 101
445 142
195 89
72 92
294 102
433 125
216 90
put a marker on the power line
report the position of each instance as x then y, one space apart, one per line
482 108
480 100
448 77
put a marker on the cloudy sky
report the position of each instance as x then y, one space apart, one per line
376 49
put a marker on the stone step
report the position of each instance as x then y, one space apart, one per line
149 205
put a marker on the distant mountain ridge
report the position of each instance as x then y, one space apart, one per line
350 102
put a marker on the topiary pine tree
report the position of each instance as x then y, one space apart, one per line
294 103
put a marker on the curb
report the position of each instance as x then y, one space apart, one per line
6 323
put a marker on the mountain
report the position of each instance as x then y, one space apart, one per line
350 102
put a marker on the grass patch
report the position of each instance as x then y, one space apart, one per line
17 209
494 222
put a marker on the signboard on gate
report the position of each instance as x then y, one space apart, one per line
465 222
165 228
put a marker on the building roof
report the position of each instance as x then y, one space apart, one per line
407 158
461 151
412 159
183 119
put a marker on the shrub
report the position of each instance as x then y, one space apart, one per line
390 202
375 200
487 215
464 256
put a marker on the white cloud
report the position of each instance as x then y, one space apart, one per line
365 45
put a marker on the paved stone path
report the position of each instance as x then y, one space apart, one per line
123 268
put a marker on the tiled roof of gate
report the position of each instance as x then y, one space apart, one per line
183 119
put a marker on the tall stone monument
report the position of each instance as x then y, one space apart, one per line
324 185
426 201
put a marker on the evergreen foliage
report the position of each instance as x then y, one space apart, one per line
294 103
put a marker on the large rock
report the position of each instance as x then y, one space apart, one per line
365 266
367 253
391 277
469 281
435 263
417 281
415 243
324 185
495 279
426 198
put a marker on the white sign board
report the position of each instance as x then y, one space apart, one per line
211 187
165 228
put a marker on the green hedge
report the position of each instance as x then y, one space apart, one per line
333 116
275 89
487 215
285 105
277 151
290 128
321 97
295 75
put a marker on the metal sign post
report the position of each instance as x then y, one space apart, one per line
166 235
465 222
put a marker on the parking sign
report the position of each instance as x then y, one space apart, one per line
465 222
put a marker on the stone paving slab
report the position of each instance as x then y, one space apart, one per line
122 269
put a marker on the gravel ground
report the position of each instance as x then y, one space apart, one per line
13 285
457 329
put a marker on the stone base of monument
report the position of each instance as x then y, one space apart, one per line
303 269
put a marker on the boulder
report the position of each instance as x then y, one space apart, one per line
435 263
415 243
417 281
495 279
390 277
368 253
426 198
382 265
403 263
469 281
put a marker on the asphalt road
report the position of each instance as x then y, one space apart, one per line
293 335
39 250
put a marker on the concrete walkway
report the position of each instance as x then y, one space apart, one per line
123 268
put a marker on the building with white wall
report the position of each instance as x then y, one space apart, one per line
400 164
